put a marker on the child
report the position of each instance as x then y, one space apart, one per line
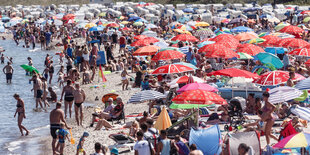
61 77
81 143
62 134
86 76
61 56
134 129
53 97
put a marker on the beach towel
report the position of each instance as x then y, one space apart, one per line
287 131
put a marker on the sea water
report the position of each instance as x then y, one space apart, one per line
11 141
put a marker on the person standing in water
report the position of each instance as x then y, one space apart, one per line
50 71
38 86
8 71
68 91
56 117
20 110
79 98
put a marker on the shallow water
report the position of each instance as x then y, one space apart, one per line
37 122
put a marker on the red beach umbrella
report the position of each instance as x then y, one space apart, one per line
301 52
112 25
250 49
295 43
168 55
275 78
199 97
223 37
140 37
218 51
290 29
187 79
270 40
172 68
146 50
185 37
145 41
281 42
68 16
234 72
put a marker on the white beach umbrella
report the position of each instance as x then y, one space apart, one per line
150 33
301 112
161 44
282 94
151 26
145 95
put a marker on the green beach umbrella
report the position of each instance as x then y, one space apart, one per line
138 24
244 56
29 68
187 106
281 26
256 41
306 20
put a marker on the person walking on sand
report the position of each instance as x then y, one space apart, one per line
20 110
79 98
56 117
8 71
68 91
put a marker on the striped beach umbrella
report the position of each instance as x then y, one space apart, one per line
145 95
283 94
298 140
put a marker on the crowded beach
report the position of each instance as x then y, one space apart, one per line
145 78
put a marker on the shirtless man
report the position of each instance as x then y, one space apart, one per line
8 71
38 86
79 98
68 91
56 117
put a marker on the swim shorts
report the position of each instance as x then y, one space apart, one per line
78 104
9 76
122 46
54 128
39 93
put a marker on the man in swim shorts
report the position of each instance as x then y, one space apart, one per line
79 98
38 86
8 71
56 117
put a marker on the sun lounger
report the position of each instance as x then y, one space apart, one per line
122 141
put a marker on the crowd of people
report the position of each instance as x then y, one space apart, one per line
78 61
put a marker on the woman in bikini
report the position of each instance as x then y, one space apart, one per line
267 112
68 91
125 81
20 110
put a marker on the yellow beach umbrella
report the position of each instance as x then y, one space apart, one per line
90 25
182 31
163 121
124 22
202 24
102 14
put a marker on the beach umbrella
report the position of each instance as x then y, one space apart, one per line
68 16
256 41
218 51
241 29
301 112
184 19
292 30
234 72
283 94
250 49
146 50
186 27
174 24
29 68
270 40
145 95
281 26
126 29
138 37
185 78
196 86
246 36
199 97
298 140
237 20
295 43
163 121
202 24
115 25
5 19
186 64
144 42
225 21
223 37
281 42
105 97
181 31
205 43
102 14
96 28
306 20
244 56
90 25
188 106
168 55
188 10
270 58
149 33
138 24
151 26
229 43
185 37
161 44
170 48
134 18
124 22
303 84
203 33
172 68
282 35
301 52
273 78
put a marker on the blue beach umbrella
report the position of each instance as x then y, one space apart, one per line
187 64
275 50
134 18
188 10
266 58
205 43
241 29
96 28
183 19
303 84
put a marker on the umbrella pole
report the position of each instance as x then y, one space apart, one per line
232 88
